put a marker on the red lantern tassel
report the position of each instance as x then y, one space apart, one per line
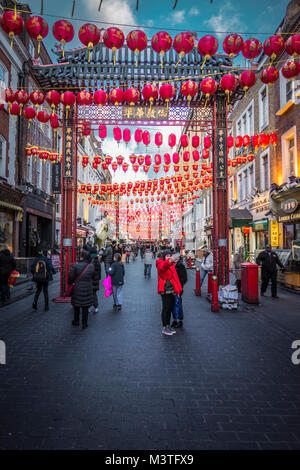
181 55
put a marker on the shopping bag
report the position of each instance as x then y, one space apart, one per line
108 286
177 312
12 278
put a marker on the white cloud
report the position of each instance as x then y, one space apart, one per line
194 12
177 17
227 20
112 11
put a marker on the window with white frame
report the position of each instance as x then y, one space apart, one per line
263 108
38 170
245 181
264 171
289 155
3 81
245 125
2 156
231 191
29 169
287 90
240 186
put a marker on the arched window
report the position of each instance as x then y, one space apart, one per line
3 81
2 156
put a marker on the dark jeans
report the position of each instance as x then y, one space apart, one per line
266 276
39 287
96 303
168 301
127 258
147 270
85 314
4 288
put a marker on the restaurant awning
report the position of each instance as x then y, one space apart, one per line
239 217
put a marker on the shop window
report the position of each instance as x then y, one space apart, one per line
263 108
6 229
288 235
2 156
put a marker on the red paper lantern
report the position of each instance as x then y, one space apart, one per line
273 46
161 43
116 96
291 69
246 141
229 141
196 156
176 168
43 154
89 35
114 166
138 136
132 159
172 140
37 29
255 141
136 41
208 87
233 162
228 83
250 157
167 158
97 160
247 79
167 92
12 23
132 96
175 157
238 141
126 135
207 142
68 99
100 97
207 47
156 168
113 38
184 141
84 98
102 132
54 123
205 153
195 141
166 168
117 134
53 156
86 130
150 93
183 44
157 159
148 160
264 139
251 48
135 167
9 97
125 167
22 97
120 160
158 139
186 156
63 32
146 138
269 75
189 89
43 117
274 138
29 113
140 160
233 44
37 98
292 45
108 159
53 98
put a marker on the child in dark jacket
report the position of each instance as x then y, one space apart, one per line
117 273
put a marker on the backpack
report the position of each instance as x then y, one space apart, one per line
40 273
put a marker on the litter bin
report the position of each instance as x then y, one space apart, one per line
250 283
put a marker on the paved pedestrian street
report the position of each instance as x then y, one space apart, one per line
224 381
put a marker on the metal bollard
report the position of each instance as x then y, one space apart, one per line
215 307
209 282
198 284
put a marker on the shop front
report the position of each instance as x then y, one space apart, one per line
11 214
259 207
240 221
285 207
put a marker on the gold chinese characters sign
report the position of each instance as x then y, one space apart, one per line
274 233
138 113
68 152
221 153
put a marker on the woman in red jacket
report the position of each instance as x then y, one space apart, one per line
168 286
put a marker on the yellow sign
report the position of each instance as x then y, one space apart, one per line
274 233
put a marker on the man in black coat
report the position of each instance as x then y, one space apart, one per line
96 278
182 275
268 260
108 255
42 270
7 265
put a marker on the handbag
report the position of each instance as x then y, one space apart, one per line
108 286
70 288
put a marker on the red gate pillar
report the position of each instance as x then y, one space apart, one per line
220 196
68 201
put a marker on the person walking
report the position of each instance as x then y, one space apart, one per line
142 252
96 278
42 270
7 265
168 286
148 259
238 259
108 255
117 273
127 255
81 276
206 265
269 260
182 276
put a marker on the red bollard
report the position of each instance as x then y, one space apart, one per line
198 285
215 307
190 263
209 282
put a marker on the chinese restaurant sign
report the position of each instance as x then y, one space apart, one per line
221 153
140 112
68 151
56 178
274 233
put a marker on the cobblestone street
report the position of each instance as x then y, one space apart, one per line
224 381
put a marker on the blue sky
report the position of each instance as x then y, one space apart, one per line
256 16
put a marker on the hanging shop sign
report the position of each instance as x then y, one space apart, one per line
289 206
274 233
221 153
68 152
56 178
138 113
